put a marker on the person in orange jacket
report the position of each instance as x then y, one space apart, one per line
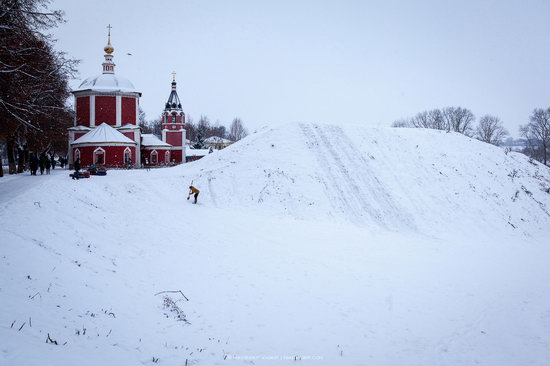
193 191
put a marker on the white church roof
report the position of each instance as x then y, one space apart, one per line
151 140
107 83
103 134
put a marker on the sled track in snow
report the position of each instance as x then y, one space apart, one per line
349 180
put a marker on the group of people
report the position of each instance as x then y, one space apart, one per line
44 162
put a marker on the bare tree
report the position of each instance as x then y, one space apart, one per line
190 129
153 127
491 130
537 134
202 131
421 120
428 119
436 120
456 119
237 131
142 117
459 120
34 83
401 123
218 130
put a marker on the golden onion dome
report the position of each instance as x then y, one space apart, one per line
108 49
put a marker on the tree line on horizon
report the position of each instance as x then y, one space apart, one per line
197 132
489 129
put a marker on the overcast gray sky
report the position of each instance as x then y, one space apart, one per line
368 62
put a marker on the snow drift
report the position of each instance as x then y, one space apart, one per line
310 243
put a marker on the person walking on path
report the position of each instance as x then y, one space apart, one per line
33 164
76 169
48 165
52 160
193 191
42 163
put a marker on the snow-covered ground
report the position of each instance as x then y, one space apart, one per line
310 243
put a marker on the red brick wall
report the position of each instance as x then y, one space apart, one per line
114 156
146 154
169 118
128 110
176 156
129 134
83 111
174 138
79 134
105 110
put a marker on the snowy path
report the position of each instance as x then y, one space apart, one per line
12 186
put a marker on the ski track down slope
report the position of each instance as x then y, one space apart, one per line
314 243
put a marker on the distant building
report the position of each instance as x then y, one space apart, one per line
217 143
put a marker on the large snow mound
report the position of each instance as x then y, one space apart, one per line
397 179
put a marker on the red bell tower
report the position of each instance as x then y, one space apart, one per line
173 124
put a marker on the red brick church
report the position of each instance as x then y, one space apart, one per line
106 127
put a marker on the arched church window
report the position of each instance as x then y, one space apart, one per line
154 157
77 154
127 156
99 156
167 157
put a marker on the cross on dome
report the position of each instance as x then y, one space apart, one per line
109 49
108 64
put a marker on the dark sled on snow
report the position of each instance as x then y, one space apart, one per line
80 175
101 171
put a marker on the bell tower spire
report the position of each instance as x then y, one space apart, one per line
173 113
108 64
173 123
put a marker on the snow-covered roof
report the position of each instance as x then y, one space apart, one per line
107 83
79 128
148 139
128 126
217 140
197 152
103 134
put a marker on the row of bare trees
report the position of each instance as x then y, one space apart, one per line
489 128
33 82
458 119
201 130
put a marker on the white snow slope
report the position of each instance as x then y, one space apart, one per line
311 243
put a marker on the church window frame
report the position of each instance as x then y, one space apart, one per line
127 155
167 157
100 152
76 154
153 157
